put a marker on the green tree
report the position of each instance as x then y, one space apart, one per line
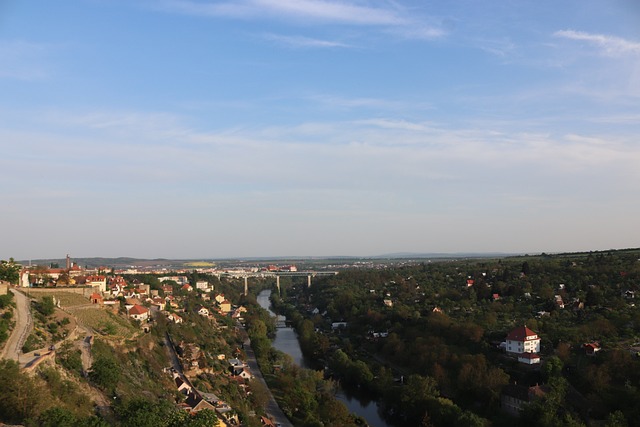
552 367
105 372
204 418
616 419
57 417
46 306
141 412
10 271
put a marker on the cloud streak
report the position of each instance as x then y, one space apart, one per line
314 10
304 42
610 45
396 20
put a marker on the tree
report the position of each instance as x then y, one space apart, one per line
57 417
616 419
141 412
46 306
105 372
10 271
204 418
552 367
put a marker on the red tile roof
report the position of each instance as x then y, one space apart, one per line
529 356
521 333
138 309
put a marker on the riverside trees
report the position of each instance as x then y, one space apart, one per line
444 320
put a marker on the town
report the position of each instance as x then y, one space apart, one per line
550 338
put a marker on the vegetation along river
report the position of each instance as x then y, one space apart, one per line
287 341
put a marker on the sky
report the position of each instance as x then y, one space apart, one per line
259 128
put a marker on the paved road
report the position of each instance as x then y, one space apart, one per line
24 323
272 407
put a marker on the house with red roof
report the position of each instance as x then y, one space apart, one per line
174 318
96 298
591 348
529 358
523 340
139 312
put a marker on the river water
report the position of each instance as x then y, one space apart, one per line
287 341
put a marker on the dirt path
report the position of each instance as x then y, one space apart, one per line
22 328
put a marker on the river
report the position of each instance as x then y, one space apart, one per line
287 341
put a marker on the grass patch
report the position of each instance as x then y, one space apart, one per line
67 299
104 322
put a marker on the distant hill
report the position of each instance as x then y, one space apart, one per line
123 262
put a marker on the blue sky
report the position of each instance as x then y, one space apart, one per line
198 129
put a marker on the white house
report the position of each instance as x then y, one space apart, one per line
529 358
174 318
523 340
139 312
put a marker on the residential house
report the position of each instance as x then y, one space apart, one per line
529 358
245 374
174 318
522 340
592 348
197 403
183 386
99 281
515 397
139 312
203 285
203 311
96 298
236 362
225 306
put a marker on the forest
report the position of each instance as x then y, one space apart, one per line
425 339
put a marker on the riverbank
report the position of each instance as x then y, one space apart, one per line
305 397
287 341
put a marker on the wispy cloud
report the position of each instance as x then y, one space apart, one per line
610 45
317 10
304 42
501 48
393 18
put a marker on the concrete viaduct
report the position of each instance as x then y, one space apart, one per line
278 274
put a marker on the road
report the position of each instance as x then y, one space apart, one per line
272 407
13 347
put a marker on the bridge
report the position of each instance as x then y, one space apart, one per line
277 274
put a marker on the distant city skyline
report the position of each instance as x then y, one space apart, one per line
190 129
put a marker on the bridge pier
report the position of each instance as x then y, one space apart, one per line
309 281
278 284
246 286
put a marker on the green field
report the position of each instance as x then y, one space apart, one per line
199 264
